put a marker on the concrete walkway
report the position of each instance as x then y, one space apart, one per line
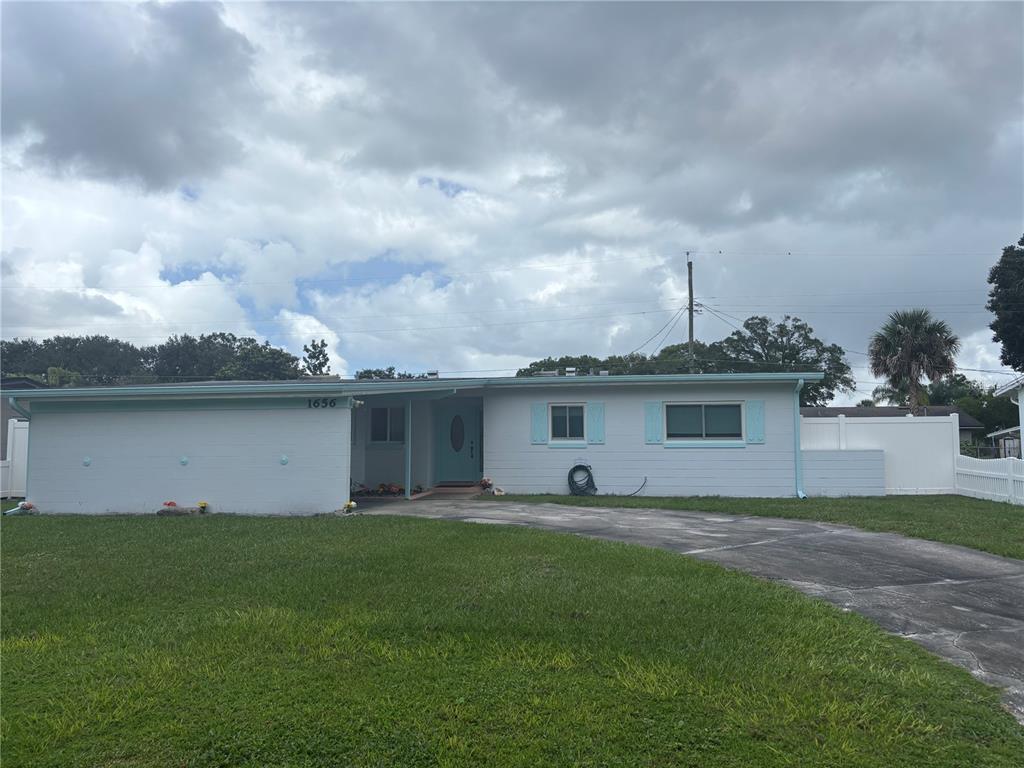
964 605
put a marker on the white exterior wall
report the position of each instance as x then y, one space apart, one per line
920 451
376 463
622 462
234 460
844 473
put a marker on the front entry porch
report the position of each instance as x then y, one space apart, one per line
407 446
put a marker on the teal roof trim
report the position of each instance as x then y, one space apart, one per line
183 390
378 387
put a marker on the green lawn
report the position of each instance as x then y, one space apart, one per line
987 525
375 641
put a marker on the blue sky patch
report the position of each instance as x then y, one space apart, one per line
447 187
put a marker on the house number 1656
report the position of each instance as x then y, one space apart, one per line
321 402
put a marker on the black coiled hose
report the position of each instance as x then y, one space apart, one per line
581 487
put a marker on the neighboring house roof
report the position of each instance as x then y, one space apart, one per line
1013 386
966 420
354 387
1004 432
19 382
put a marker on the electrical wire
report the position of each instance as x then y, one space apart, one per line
678 314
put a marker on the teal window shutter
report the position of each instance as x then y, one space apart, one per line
539 423
755 421
653 428
595 423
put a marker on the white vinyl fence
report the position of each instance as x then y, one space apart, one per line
920 451
14 469
995 479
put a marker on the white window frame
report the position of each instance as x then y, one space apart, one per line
704 439
551 423
389 409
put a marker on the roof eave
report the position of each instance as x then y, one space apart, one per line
348 388
1013 386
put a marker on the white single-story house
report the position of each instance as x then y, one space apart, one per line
1009 439
297 447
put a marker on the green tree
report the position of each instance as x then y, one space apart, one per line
993 412
259 362
387 373
950 389
315 361
58 377
912 345
1006 302
760 346
98 359
764 346
884 393
582 363
193 358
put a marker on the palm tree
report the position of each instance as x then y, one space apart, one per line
910 345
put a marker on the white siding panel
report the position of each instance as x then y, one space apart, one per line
625 459
234 460
844 473
920 451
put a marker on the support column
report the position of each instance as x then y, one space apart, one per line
408 449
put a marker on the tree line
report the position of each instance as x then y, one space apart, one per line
97 360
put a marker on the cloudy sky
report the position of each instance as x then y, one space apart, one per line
471 187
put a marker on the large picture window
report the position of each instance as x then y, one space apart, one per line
566 422
703 421
387 425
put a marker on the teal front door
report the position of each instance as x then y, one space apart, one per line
458 441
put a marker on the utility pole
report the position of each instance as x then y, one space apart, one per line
689 280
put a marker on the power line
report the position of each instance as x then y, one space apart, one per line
413 329
657 333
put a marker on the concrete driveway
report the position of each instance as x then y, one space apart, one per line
966 606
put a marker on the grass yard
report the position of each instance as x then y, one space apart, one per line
990 526
376 641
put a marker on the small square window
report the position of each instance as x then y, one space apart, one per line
566 422
387 425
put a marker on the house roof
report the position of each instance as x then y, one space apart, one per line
1013 386
332 385
19 382
966 420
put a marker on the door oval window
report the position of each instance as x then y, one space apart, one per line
457 433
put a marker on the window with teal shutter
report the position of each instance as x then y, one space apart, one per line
653 431
755 421
595 423
539 423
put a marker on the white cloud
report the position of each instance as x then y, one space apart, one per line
301 329
540 189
